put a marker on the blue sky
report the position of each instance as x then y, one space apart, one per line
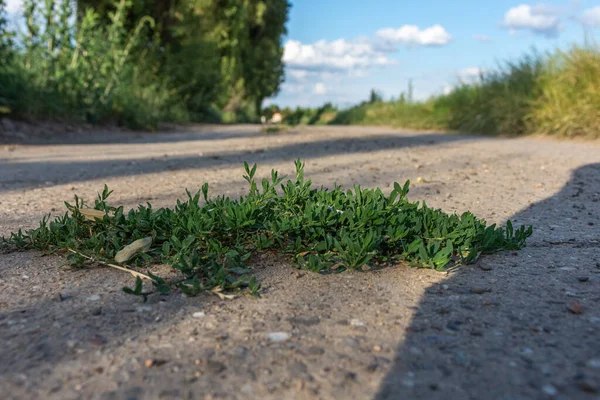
337 50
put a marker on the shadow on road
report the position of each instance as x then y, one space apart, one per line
19 174
506 333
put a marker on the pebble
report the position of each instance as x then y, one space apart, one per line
97 311
584 278
594 363
198 314
143 309
315 350
480 290
485 267
278 336
357 322
549 390
297 368
215 367
93 298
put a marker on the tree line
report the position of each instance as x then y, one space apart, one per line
143 61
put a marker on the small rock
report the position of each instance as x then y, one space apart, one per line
575 307
143 309
58 297
594 363
297 368
461 359
315 350
93 298
454 325
198 314
98 341
480 290
215 367
549 390
154 363
583 278
485 267
357 322
350 376
278 336
310 321
587 386
377 348
239 352
97 311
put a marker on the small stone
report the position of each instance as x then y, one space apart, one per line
278 336
297 368
485 267
215 367
377 348
154 363
93 298
480 290
98 341
587 386
309 321
357 322
549 390
454 325
583 278
143 309
97 311
239 352
594 363
350 376
198 314
315 350
575 307
58 297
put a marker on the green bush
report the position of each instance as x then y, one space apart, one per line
320 230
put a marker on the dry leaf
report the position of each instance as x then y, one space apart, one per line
139 246
91 214
217 291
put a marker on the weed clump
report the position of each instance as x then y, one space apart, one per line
210 242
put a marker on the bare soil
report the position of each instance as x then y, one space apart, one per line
504 328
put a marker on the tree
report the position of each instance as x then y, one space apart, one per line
375 96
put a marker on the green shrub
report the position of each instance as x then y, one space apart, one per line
320 230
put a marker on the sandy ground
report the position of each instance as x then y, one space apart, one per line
500 329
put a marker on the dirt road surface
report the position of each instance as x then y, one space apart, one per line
499 329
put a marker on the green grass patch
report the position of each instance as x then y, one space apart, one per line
211 240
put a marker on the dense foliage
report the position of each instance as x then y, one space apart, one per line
210 240
141 62
556 93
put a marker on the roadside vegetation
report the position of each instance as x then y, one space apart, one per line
141 63
556 94
210 240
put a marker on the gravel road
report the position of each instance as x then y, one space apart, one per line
503 328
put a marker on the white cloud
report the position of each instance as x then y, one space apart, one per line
320 88
470 72
481 38
13 6
337 55
591 17
541 19
435 35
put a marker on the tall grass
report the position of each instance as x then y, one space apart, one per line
556 93
61 70
569 102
